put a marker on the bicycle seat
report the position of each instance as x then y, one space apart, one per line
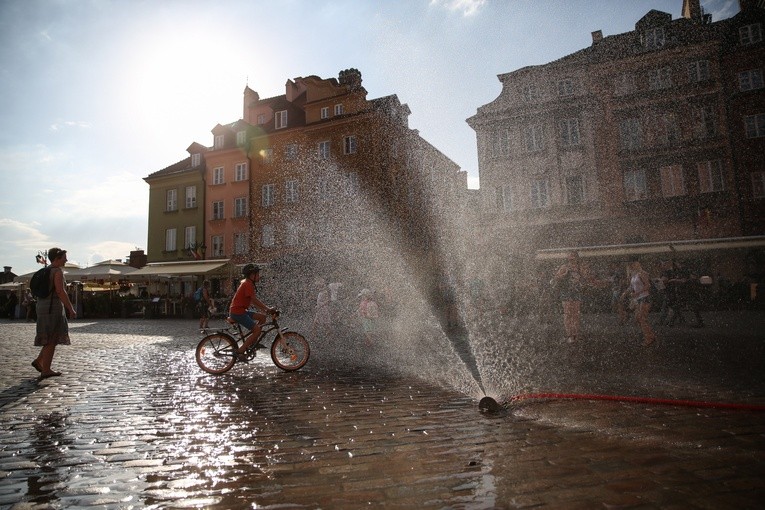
230 320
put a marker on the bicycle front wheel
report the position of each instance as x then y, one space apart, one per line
290 351
216 353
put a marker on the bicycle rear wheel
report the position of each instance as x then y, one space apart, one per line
290 351
216 353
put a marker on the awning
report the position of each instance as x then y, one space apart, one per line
10 285
177 269
667 248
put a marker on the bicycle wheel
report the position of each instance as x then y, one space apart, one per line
290 351
215 353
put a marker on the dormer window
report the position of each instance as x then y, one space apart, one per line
196 159
280 119
261 119
218 144
653 38
241 137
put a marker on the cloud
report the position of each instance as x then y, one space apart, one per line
56 126
468 7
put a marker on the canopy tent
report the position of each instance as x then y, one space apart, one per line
11 286
159 270
666 248
25 278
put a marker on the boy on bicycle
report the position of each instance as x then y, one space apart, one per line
245 298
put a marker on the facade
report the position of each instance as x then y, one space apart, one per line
176 211
319 179
652 135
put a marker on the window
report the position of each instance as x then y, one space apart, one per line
750 80
533 136
500 143
240 207
755 125
172 200
624 84
566 87
268 236
750 34
705 122
653 38
218 144
504 198
240 172
217 210
218 175
170 239
574 190
711 176
196 159
539 195
669 131
241 137
339 109
349 145
569 132
631 134
660 78
267 155
217 246
191 197
352 181
240 244
291 192
325 112
324 150
530 93
758 184
698 71
635 187
291 233
191 237
291 151
672 182
267 195
261 119
280 119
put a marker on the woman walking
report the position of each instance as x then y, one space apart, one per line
52 311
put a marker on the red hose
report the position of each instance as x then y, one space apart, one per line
639 400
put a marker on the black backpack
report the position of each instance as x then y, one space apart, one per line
40 283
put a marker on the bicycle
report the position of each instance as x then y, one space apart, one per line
216 353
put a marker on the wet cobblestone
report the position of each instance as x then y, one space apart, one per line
133 423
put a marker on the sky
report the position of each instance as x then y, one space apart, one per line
97 94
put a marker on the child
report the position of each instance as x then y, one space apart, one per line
369 313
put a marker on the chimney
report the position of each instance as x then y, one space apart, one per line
7 269
597 36
692 10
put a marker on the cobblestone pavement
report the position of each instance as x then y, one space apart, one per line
134 423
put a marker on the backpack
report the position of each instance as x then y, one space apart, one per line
40 284
198 295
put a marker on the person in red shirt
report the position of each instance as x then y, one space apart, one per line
246 298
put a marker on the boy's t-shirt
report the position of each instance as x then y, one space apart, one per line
243 297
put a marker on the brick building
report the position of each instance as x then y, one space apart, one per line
651 136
